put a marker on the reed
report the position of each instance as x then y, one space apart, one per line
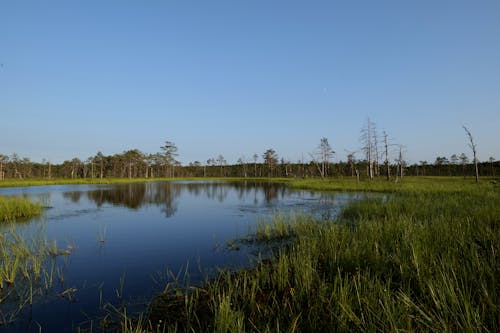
16 208
27 270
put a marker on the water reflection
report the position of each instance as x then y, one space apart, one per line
166 194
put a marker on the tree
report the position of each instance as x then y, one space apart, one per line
453 164
375 150
271 159
255 158
75 165
26 167
326 152
367 136
133 161
386 162
3 160
423 165
400 162
221 160
211 162
463 160
197 166
241 162
440 161
492 160
351 159
170 152
100 158
472 146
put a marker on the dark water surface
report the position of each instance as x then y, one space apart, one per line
124 238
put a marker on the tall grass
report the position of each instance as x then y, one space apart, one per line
420 261
14 208
27 270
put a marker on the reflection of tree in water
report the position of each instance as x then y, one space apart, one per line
165 194
219 191
128 195
270 191
74 196
214 191
138 195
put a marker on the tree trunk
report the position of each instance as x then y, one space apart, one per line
387 169
474 152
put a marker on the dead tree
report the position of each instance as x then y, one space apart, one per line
386 162
368 146
325 153
400 164
472 146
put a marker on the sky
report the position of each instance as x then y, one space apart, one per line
239 77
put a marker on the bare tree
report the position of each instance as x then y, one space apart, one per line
376 156
3 160
386 162
472 146
367 136
400 163
326 152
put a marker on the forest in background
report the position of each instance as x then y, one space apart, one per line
377 157
136 164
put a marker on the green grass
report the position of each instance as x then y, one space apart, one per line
16 208
27 271
408 184
425 259
78 181
83 181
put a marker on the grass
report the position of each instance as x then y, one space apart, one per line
15 208
87 181
407 184
28 270
426 259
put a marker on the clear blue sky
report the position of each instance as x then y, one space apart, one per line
238 77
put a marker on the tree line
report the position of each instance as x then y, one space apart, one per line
378 156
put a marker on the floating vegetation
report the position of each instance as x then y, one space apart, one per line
15 208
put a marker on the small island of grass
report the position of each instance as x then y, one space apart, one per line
15 208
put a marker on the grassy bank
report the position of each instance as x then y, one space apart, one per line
426 184
408 184
15 208
78 181
425 260
97 181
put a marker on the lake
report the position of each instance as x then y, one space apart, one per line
124 239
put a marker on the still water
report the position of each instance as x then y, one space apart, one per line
125 238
